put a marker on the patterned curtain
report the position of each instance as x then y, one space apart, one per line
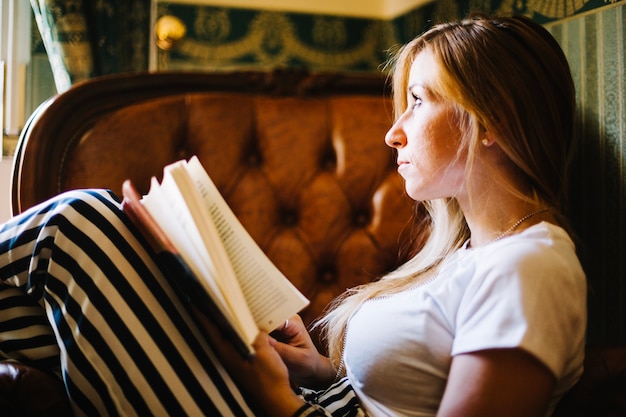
63 29
84 38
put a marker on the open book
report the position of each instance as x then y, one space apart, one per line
208 255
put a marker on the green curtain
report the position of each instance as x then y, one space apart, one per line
63 28
85 38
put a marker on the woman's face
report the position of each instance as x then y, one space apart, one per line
427 137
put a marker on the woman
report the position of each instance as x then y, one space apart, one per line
487 320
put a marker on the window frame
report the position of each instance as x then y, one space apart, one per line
15 56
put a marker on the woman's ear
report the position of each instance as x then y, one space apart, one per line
488 139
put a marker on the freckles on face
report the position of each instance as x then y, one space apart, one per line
428 136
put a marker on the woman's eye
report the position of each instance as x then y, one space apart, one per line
416 100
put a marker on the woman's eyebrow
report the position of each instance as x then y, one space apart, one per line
423 89
418 85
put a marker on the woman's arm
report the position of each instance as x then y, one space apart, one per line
497 382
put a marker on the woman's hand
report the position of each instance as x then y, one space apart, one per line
263 379
307 367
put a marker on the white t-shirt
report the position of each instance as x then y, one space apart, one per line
527 290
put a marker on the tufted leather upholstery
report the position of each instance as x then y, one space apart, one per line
309 176
299 157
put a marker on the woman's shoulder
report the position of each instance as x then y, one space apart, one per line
542 241
542 250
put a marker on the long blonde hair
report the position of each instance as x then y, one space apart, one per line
504 75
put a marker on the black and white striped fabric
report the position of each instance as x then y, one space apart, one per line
81 295
339 400
127 346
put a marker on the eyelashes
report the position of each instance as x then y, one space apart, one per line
416 100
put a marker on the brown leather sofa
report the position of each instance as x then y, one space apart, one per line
299 157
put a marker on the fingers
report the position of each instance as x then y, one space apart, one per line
291 328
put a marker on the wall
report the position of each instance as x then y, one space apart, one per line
354 8
219 36
594 44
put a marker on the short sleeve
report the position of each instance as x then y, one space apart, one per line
527 295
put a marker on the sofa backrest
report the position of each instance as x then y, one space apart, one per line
300 159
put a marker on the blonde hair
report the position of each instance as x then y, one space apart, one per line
503 75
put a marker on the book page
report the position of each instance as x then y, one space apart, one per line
201 229
272 298
166 205
192 287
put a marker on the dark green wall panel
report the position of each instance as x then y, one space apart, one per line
594 44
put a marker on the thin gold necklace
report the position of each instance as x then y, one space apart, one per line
517 223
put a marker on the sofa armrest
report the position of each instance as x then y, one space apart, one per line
26 391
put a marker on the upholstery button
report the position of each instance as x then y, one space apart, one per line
329 165
254 159
183 153
289 217
328 162
361 218
327 274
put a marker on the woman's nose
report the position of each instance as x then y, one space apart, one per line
395 137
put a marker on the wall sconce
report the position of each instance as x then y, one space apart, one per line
169 30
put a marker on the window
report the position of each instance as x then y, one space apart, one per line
25 75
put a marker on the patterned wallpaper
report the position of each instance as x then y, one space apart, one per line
85 39
221 38
594 45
